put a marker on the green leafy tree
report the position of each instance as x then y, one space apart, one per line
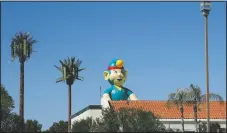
21 47
98 125
70 69
84 125
9 121
128 120
57 127
195 97
109 122
178 99
12 123
137 120
7 103
33 126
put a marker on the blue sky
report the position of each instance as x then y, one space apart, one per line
162 45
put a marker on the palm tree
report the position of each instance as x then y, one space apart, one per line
195 97
178 99
21 47
70 73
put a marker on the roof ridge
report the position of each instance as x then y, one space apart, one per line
156 101
140 101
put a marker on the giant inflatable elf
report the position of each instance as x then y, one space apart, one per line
116 75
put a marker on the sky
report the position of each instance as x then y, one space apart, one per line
161 43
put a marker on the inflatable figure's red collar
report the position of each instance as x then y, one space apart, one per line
114 67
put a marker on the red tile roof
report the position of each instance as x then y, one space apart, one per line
217 110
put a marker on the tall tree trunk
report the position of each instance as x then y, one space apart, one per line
195 116
182 116
22 92
69 109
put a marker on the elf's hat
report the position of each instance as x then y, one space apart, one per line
116 64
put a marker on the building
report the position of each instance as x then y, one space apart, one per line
170 117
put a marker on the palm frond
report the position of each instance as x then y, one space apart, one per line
172 100
171 96
80 78
203 98
69 62
31 41
65 62
78 63
73 60
194 94
62 63
182 95
60 69
59 80
215 97
81 69
178 98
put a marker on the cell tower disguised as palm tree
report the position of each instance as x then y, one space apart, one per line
70 69
21 48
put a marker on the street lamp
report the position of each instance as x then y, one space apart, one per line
205 8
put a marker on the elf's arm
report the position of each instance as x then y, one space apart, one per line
106 98
131 95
